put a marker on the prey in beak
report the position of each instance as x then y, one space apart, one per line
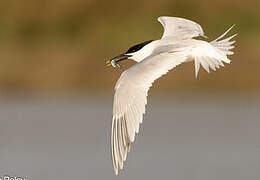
114 61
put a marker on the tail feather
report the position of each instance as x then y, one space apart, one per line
215 55
224 34
224 45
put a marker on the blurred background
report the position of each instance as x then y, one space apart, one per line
56 94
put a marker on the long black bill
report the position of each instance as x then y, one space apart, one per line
114 61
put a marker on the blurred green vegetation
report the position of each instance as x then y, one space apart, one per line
61 46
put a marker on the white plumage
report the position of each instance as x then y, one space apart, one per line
154 60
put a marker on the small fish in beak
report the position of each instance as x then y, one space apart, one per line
108 63
114 61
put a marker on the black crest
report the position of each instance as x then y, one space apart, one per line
137 47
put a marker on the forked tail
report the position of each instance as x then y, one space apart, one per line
224 45
215 53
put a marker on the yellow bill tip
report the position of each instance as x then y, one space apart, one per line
108 63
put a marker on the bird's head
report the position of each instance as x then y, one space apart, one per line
135 52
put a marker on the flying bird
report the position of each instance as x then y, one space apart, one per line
155 58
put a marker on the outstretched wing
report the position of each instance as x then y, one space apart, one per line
130 100
179 28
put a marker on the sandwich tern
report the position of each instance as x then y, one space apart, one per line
155 58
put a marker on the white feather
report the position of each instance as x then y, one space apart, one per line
212 55
175 27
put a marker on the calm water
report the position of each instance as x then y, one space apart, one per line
182 138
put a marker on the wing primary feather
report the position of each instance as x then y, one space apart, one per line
120 144
124 139
136 113
116 144
133 117
128 138
197 66
113 146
